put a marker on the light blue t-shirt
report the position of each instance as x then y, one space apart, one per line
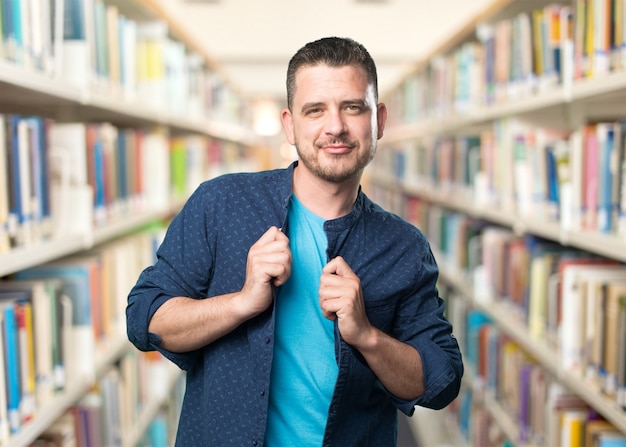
304 369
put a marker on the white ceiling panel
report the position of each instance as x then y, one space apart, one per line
253 40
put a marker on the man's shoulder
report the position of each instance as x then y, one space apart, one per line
242 181
250 177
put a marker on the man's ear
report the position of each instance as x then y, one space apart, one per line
381 117
287 120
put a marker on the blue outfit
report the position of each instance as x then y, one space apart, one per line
304 370
204 254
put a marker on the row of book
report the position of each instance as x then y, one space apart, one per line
57 316
577 178
59 178
505 382
571 301
94 45
516 57
110 414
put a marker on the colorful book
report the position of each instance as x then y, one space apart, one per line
12 360
80 348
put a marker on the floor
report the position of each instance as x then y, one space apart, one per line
405 436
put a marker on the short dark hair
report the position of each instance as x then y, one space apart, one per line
334 52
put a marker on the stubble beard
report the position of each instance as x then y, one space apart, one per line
337 169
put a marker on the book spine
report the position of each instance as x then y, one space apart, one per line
13 368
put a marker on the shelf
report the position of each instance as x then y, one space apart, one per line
49 413
126 224
44 251
149 412
610 246
503 420
432 429
22 86
596 98
26 91
41 252
52 96
505 318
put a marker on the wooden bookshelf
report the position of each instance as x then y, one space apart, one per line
43 90
414 177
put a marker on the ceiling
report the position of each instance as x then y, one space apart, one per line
253 40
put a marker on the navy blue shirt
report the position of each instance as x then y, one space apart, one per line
204 254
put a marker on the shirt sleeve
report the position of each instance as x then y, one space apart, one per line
424 326
183 268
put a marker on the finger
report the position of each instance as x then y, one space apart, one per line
283 274
272 234
329 309
338 266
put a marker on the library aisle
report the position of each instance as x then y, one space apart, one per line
505 145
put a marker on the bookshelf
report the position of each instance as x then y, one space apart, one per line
505 146
100 82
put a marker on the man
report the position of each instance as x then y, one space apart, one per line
303 313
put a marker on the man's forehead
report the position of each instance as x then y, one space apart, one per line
317 76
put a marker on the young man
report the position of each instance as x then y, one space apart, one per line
303 313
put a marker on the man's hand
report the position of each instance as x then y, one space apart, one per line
341 297
268 265
185 324
396 364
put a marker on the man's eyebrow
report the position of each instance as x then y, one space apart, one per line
311 105
360 102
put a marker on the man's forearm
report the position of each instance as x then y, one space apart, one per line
185 324
396 364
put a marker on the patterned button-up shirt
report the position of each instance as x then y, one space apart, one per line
204 254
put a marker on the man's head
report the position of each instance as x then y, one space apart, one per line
333 116
334 52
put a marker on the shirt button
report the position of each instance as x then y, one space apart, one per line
268 339
262 392
255 442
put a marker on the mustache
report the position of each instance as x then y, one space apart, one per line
336 141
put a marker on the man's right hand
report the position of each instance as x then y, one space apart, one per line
268 265
185 324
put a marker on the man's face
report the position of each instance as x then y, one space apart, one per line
335 122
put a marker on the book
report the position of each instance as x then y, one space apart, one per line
573 333
609 340
615 341
41 174
151 77
20 171
606 201
594 324
620 177
4 189
24 317
572 427
572 218
590 182
74 55
595 428
80 347
70 195
46 337
12 359
4 416
541 268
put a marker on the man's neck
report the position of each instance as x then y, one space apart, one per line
325 199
